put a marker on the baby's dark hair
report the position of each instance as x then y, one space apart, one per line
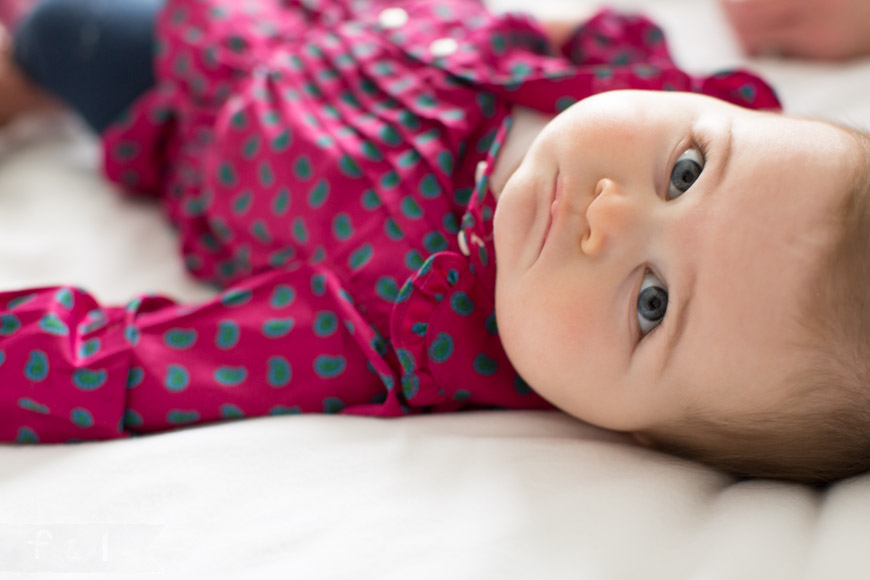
821 433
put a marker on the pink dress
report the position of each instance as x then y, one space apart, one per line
318 160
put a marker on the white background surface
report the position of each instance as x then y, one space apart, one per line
476 496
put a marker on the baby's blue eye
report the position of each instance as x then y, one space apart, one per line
685 173
652 303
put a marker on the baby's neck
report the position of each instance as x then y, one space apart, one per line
526 127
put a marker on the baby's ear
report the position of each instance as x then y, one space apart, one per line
643 440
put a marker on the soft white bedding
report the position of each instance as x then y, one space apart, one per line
478 496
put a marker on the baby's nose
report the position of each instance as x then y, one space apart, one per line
610 215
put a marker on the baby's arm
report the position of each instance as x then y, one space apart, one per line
820 29
283 342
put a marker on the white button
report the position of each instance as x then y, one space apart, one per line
463 244
393 18
443 47
479 171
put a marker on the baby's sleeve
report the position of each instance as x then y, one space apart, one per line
287 341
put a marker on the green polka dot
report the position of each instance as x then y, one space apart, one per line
318 194
450 224
332 405
26 435
282 296
387 288
280 258
603 72
349 167
51 324
434 242
300 231
281 203
302 168
371 151
260 232
426 101
390 136
227 335
461 304
341 227
563 103
318 284
285 410
282 142
180 417
227 174
410 386
429 187
65 298
392 229
325 323
234 298
81 418
31 405
521 386
239 120
389 180
177 378
179 338
36 368
229 411
409 159
279 372
410 208
461 395
329 367
135 377
88 380
370 200
486 103
462 195
131 334
89 348
9 324
132 419
491 324
360 257
406 359
441 348
266 175
485 365
445 162
428 137
278 327
413 259
230 376
409 120
251 147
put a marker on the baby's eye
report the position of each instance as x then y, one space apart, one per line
685 173
652 303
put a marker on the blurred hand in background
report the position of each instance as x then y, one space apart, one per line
813 29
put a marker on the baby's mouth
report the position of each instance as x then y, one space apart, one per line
555 196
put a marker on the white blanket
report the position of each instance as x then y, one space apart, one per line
477 496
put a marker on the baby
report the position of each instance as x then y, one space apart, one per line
670 264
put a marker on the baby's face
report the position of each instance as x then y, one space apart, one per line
667 274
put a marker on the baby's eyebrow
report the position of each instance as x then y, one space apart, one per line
726 152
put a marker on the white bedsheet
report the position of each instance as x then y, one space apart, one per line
477 496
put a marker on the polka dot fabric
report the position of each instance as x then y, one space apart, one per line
318 161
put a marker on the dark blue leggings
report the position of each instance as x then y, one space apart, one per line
94 55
